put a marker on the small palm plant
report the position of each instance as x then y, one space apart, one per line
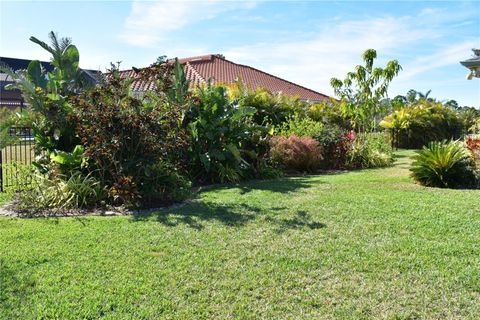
444 164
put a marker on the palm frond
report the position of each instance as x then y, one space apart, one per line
54 41
43 45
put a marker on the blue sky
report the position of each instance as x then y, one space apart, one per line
305 42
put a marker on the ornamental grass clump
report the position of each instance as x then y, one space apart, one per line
445 164
46 193
301 154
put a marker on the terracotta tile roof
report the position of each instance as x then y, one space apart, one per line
201 69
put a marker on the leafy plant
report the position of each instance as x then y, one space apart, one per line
47 94
271 109
336 142
395 122
299 126
59 192
444 164
371 150
296 153
329 113
422 122
226 143
68 162
475 128
362 89
165 184
130 142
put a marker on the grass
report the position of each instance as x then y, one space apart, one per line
357 245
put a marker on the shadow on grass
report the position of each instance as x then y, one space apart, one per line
281 185
195 215
14 291
301 220
199 212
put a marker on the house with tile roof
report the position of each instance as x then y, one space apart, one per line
201 69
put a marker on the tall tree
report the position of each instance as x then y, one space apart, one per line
362 90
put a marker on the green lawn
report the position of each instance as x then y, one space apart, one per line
358 245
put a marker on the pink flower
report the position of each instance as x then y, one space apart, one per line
350 135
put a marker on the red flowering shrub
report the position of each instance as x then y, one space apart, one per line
473 144
335 143
296 153
341 148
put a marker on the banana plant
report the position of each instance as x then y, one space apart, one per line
47 95
220 131
181 85
65 59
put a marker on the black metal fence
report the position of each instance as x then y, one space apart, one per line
16 159
13 104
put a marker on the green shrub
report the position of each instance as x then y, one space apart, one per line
270 109
329 113
266 171
163 183
445 165
475 128
299 126
227 145
47 94
370 150
422 122
296 153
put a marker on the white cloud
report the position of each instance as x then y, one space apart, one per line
150 23
337 47
333 51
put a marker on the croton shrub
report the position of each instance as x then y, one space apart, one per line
473 144
132 145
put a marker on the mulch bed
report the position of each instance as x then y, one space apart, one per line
11 210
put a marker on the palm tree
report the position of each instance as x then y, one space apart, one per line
415 96
396 121
424 96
